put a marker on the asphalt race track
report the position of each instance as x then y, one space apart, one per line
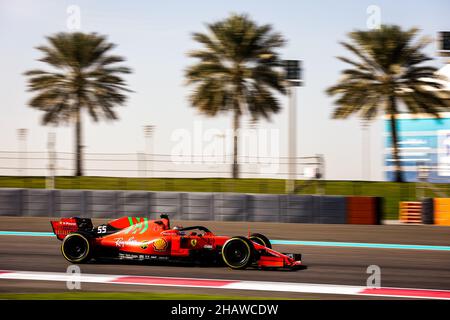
403 268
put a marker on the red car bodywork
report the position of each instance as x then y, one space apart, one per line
137 238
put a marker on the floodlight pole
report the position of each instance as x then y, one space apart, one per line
148 134
293 79
22 134
292 139
365 150
50 181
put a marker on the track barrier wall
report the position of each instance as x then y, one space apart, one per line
363 210
191 206
410 212
428 211
436 211
442 211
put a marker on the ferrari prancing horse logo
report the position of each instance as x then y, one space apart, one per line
193 242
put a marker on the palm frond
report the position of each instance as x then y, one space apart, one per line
238 64
389 65
87 77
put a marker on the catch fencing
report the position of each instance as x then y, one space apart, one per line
146 165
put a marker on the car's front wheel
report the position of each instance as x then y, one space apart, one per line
238 253
76 248
261 239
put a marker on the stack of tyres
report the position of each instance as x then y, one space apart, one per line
442 211
428 211
362 210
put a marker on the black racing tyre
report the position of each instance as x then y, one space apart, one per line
77 248
238 253
261 239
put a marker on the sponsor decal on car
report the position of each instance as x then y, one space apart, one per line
160 244
144 244
141 257
119 242
131 241
66 223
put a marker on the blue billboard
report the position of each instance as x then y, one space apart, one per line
424 142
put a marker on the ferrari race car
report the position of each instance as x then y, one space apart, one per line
141 239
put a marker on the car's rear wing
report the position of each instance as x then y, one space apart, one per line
65 226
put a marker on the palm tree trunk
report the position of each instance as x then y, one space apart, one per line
235 165
398 176
78 145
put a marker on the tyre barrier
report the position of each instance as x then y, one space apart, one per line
428 211
364 210
436 211
410 212
192 206
442 211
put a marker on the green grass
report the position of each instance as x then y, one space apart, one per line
392 192
122 296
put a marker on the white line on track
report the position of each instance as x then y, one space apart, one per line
227 284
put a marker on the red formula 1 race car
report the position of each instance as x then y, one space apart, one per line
135 238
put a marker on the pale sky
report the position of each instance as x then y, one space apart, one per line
154 37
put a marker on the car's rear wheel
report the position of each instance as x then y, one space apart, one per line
261 239
238 253
76 248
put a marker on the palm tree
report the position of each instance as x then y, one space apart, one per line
84 77
238 71
389 77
